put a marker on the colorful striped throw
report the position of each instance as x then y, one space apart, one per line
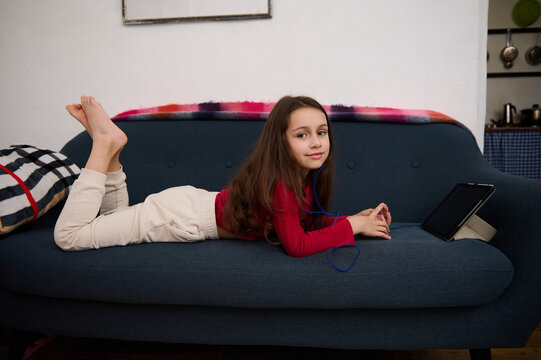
246 110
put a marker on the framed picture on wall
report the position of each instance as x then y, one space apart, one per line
159 11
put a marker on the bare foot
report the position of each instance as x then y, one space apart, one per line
98 124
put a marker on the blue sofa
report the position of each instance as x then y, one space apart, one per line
412 292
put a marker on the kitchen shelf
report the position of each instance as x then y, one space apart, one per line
509 74
515 31
490 128
514 74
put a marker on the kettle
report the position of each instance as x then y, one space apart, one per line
531 117
508 110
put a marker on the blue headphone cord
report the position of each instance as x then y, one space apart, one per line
352 263
335 215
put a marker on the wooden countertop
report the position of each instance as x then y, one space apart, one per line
490 128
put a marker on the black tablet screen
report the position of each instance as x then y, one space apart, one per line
456 208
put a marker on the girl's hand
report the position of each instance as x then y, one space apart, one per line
372 222
366 212
384 214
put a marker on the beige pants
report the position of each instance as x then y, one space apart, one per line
179 214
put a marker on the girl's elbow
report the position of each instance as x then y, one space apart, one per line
295 252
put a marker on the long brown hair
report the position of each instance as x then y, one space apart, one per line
252 188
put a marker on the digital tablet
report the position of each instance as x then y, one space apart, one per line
456 208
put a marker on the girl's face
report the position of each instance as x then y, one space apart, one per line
308 138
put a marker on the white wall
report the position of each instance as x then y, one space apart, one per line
412 54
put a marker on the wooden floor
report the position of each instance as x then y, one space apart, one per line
63 348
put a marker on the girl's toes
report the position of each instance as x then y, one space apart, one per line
76 110
72 109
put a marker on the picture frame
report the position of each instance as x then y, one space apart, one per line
162 11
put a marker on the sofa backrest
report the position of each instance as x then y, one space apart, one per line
408 166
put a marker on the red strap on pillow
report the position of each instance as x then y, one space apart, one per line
25 189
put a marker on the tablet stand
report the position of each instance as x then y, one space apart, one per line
475 228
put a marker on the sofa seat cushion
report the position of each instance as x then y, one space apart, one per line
413 270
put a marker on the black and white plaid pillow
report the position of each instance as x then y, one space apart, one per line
32 181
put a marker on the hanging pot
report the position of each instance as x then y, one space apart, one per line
509 52
533 55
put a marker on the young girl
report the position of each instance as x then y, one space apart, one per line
283 188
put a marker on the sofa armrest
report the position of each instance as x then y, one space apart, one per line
515 211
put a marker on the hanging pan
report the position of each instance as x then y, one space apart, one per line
533 54
509 52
